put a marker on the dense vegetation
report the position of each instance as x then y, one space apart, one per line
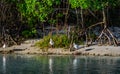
59 41
21 19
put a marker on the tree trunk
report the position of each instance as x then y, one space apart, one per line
82 19
77 16
106 33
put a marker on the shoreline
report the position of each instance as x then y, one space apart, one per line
91 50
29 48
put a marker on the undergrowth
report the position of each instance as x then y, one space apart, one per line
60 41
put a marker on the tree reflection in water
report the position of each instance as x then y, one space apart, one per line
16 64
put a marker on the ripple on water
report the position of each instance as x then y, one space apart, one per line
36 64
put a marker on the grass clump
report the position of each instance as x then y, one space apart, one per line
60 41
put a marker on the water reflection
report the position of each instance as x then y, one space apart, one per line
25 64
75 63
51 65
4 64
75 60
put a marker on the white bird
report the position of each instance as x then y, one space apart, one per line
4 46
51 42
76 46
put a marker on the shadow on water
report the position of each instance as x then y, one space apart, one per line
36 64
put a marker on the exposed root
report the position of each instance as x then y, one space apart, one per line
106 37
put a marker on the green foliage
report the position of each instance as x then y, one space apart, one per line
29 33
59 41
57 2
52 21
59 15
84 4
93 4
31 9
99 5
26 33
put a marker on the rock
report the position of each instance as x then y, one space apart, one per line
117 29
96 31
6 51
116 32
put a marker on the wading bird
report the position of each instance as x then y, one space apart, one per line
4 46
76 46
51 42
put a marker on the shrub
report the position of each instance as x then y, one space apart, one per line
59 41
29 33
26 33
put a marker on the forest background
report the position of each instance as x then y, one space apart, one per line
77 19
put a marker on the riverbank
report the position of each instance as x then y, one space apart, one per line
28 48
92 50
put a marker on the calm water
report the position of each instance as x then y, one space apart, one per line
36 64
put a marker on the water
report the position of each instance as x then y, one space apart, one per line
36 64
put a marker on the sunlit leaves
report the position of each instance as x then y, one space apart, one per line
57 2
93 4
35 8
41 9
79 3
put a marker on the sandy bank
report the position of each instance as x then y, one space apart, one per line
101 50
28 48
